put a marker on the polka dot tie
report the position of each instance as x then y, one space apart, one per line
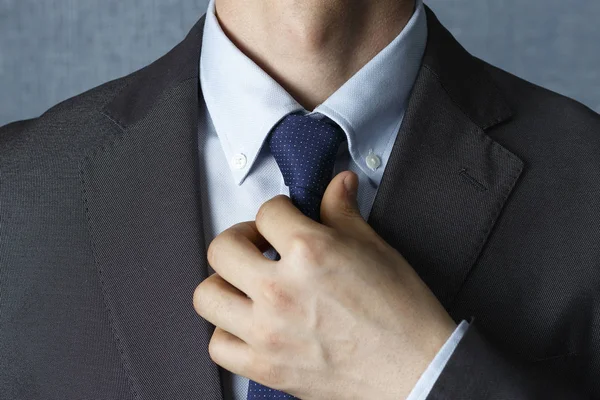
305 150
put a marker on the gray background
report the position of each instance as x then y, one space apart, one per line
51 50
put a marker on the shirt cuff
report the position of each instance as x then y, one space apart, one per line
433 371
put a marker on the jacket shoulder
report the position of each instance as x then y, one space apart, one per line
557 137
77 106
63 130
548 108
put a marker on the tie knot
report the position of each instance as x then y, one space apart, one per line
305 149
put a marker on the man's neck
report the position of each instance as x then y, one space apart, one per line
311 47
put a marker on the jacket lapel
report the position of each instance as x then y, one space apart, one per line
141 194
446 181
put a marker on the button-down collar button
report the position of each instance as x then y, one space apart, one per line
238 161
372 160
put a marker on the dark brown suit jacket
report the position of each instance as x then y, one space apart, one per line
492 193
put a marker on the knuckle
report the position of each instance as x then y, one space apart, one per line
263 210
213 350
210 256
268 337
348 211
198 298
268 206
229 235
273 339
222 240
310 248
276 295
300 245
213 249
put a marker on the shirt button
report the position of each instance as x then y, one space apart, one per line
373 161
238 161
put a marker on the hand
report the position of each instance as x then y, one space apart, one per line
342 315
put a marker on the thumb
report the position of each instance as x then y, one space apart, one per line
339 207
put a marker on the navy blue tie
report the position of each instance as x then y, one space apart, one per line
305 149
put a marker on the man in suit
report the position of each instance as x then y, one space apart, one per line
461 261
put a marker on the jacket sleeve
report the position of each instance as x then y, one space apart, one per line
478 370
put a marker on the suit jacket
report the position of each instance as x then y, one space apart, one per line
491 193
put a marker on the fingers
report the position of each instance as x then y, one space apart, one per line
237 256
230 352
224 306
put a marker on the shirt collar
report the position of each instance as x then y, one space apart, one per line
245 103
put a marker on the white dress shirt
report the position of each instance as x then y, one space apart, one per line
240 104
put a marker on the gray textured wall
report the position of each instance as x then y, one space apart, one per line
554 43
51 50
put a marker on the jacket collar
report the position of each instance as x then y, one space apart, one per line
441 193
